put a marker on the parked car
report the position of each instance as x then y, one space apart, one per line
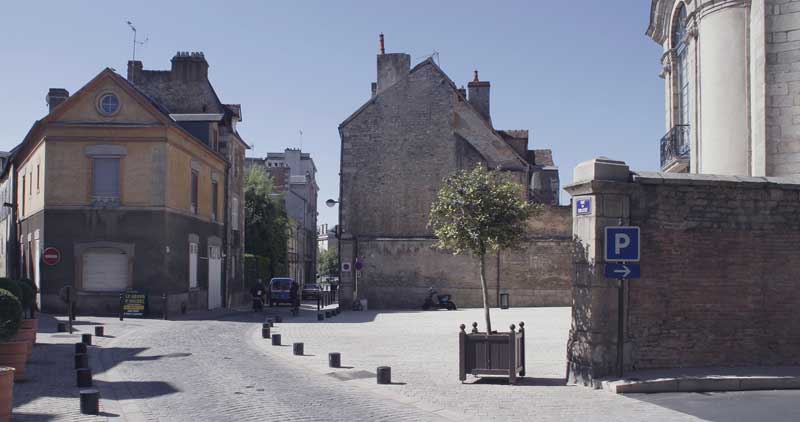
280 291
310 291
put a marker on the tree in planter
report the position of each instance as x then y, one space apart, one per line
480 211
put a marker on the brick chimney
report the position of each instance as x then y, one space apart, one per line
134 71
479 96
391 68
189 67
56 96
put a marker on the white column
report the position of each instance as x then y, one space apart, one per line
724 98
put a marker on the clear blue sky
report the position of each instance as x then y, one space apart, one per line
580 74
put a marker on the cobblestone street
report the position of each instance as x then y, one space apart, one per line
216 367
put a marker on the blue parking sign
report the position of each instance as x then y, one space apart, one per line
622 244
583 206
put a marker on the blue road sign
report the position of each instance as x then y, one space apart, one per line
623 271
622 244
583 206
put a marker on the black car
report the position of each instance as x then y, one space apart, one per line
310 292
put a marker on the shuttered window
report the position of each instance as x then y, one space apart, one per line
105 177
194 192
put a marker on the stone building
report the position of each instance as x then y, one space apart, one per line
294 175
417 128
732 85
137 183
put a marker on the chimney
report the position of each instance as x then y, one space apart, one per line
56 96
189 67
463 91
374 88
134 71
391 68
479 96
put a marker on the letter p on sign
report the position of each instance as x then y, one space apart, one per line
622 244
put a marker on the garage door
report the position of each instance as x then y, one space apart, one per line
105 270
214 277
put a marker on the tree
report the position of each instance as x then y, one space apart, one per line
328 263
266 223
478 212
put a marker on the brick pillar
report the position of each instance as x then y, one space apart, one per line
592 345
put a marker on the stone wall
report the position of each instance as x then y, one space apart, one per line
397 272
719 272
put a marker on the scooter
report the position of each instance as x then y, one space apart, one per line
442 301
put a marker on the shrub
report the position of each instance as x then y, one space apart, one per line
28 293
10 315
12 286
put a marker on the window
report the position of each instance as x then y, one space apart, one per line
235 213
214 199
38 178
194 192
193 265
30 185
681 67
105 178
23 194
108 104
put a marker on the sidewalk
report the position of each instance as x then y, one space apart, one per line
693 380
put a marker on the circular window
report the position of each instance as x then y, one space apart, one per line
108 104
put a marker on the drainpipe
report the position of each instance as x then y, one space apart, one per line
225 244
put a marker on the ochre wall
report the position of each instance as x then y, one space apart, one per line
180 154
33 196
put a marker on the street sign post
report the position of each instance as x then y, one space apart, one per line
622 244
626 271
51 256
583 206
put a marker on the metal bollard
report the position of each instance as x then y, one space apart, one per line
334 360
276 339
297 349
320 316
98 331
121 307
86 338
384 375
61 327
265 330
84 377
90 401
81 360
80 348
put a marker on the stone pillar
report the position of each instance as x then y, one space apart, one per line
347 278
592 344
724 96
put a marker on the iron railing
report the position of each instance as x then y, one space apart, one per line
675 145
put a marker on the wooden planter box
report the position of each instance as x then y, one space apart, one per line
491 354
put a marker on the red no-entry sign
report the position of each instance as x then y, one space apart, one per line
51 256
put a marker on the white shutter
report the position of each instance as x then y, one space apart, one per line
105 270
192 265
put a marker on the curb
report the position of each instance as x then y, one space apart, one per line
702 384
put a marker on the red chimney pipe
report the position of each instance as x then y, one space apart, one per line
383 51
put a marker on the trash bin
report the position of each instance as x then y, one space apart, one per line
504 301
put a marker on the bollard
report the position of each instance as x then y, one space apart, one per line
265 330
334 360
320 316
297 349
80 348
278 319
276 339
384 375
81 360
121 307
61 327
84 377
98 331
90 401
86 338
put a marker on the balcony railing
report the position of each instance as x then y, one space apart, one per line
675 146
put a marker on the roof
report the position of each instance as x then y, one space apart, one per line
465 127
178 96
660 16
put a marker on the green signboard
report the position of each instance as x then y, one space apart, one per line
134 303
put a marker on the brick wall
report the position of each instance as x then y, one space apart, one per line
719 267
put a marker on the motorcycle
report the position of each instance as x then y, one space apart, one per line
442 301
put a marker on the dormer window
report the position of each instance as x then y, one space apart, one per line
108 105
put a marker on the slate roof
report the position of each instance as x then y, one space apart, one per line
179 97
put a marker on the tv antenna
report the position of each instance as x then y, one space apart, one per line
146 38
434 56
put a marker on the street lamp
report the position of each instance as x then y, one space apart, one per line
330 203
